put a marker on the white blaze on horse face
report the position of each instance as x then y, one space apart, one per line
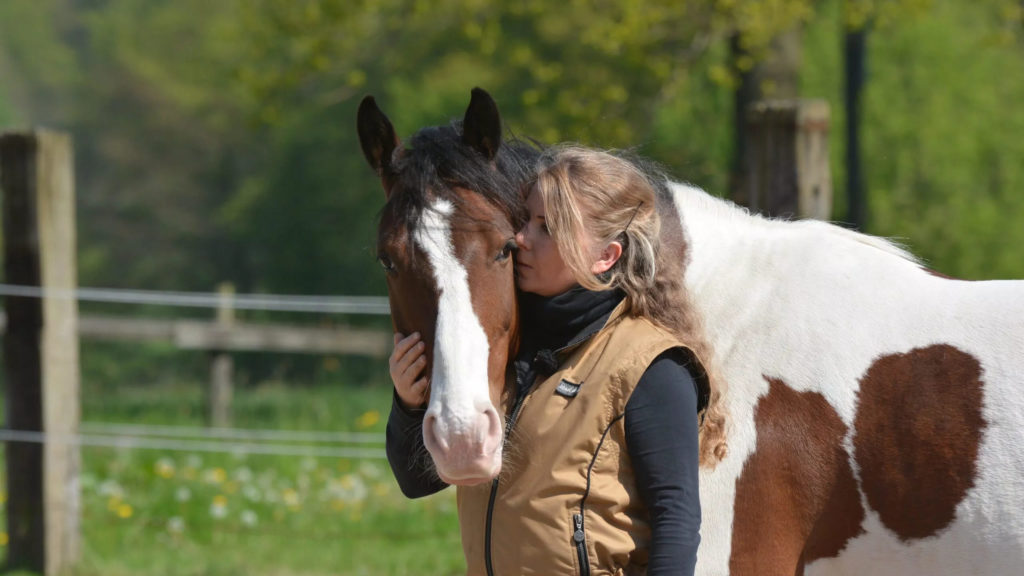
461 428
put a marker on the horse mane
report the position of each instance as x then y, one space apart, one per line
887 245
435 160
740 216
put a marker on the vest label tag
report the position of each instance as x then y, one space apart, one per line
567 389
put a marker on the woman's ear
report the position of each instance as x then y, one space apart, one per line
609 255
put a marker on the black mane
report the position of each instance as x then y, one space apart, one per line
434 160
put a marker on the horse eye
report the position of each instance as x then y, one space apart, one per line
506 251
386 263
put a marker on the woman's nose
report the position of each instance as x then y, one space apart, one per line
521 238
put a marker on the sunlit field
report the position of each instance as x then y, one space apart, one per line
151 512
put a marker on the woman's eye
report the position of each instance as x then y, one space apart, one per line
506 250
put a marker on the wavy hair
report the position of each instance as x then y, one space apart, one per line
592 198
593 194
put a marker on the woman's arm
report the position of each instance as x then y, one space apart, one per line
661 438
407 456
409 460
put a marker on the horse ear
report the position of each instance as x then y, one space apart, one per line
481 128
376 136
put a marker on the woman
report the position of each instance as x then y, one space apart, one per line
600 475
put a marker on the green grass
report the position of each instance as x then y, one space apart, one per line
148 512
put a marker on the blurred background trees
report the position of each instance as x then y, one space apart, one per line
215 140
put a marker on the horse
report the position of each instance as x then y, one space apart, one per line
875 409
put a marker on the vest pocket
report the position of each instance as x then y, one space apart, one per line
579 539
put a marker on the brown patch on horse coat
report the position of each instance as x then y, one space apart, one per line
918 428
794 506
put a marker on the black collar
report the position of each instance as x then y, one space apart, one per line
553 325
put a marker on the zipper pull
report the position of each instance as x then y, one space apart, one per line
577 536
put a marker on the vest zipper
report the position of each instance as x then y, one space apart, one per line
580 538
516 408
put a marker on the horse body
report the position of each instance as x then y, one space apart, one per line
802 317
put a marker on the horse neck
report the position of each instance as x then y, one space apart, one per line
778 298
727 257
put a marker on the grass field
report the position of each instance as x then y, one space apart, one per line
148 512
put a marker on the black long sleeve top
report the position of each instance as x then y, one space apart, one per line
660 424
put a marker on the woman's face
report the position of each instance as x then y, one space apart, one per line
539 265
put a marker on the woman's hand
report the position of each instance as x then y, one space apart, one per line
405 364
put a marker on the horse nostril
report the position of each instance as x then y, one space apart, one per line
493 438
431 439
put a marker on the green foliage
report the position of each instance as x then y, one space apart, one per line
941 134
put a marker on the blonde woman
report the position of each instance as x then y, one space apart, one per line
600 475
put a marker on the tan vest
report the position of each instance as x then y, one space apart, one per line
566 462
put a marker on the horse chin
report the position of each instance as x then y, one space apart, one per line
467 481
484 470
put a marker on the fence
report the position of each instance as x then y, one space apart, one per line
219 337
225 335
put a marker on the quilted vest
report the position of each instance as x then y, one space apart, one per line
566 500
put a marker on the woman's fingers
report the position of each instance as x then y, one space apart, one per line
408 352
418 392
403 343
405 364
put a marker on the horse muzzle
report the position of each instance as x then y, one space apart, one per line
466 450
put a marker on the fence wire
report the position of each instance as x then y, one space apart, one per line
268 302
176 439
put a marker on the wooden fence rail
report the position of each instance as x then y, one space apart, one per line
239 337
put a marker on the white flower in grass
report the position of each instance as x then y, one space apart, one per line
291 498
349 488
369 470
183 494
249 518
243 475
219 506
164 467
176 525
215 476
251 493
111 488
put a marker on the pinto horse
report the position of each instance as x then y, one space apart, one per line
875 409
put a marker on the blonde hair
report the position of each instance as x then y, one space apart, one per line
590 193
596 194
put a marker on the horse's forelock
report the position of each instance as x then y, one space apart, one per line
435 162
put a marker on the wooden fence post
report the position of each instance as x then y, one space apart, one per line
787 163
222 364
41 366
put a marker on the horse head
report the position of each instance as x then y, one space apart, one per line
445 240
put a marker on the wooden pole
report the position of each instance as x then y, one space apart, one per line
787 161
222 365
41 350
857 202
775 75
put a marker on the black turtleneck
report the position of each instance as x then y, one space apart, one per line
552 324
660 423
